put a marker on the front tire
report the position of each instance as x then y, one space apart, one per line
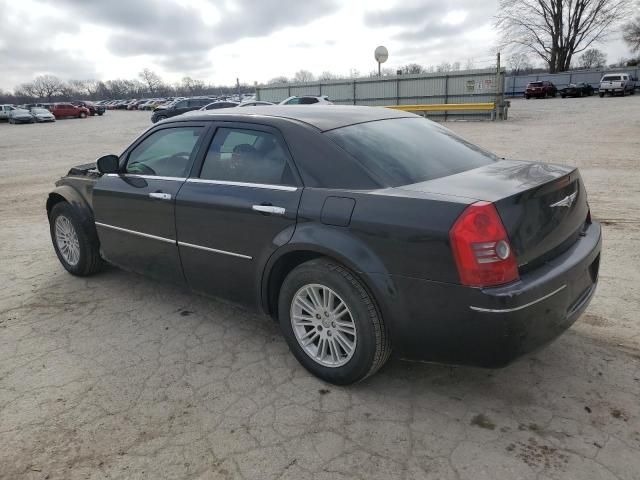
331 323
74 246
82 115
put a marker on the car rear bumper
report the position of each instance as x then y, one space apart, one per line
491 327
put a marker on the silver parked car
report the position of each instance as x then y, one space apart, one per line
20 115
42 115
307 100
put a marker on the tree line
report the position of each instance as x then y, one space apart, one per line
148 84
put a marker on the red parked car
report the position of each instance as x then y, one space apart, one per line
540 90
62 110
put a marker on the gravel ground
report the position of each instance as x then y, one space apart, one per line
116 376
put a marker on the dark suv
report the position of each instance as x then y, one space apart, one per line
178 107
540 90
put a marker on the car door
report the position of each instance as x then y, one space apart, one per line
181 107
135 209
239 206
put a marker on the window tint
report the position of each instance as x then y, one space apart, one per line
249 156
611 78
166 153
308 100
409 150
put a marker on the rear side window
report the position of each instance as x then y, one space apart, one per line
611 78
308 100
409 150
248 156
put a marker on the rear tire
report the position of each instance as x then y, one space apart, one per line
73 244
601 95
326 326
82 115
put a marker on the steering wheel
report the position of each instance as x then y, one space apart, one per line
140 168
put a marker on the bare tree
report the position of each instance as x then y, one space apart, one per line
593 58
281 79
470 64
455 66
151 79
412 68
443 67
631 34
303 76
519 63
327 75
44 86
191 86
556 30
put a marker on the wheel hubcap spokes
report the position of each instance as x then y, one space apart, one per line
67 240
323 325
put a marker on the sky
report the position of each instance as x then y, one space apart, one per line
218 41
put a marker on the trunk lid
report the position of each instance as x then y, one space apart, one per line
543 207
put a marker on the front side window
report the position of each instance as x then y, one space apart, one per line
293 101
409 150
248 156
181 104
166 153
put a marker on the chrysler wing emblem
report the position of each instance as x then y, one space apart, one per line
566 201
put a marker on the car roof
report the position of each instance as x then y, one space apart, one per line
322 117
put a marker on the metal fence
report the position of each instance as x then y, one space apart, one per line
470 86
515 85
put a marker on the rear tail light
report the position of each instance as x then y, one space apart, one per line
481 247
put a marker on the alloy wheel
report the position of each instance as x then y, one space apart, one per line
67 240
323 325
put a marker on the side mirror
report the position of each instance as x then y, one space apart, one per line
108 164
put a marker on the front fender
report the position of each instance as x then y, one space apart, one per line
66 193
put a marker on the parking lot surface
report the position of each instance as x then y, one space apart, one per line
116 376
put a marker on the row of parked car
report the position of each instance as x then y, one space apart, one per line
183 105
611 84
49 112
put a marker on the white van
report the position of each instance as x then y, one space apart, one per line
613 83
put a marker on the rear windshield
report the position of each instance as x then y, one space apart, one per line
535 84
611 78
403 151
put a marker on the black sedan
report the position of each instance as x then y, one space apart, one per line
361 230
577 90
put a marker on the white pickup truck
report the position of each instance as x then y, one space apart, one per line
4 111
615 83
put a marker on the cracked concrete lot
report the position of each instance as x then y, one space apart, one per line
116 376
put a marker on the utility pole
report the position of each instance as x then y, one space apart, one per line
499 107
237 85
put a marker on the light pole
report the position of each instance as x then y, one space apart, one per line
381 55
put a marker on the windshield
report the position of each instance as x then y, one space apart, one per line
40 110
409 150
20 111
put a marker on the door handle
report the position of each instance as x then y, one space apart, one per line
269 209
160 196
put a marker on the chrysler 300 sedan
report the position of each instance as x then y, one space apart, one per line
361 230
